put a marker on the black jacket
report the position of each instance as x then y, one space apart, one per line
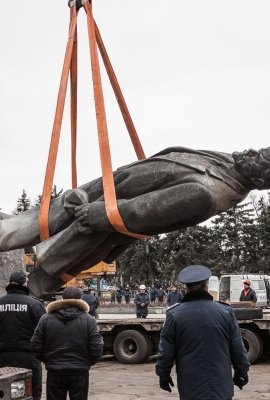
161 293
127 293
67 338
174 297
139 299
202 337
19 315
119 294
91 300
153 293
249 295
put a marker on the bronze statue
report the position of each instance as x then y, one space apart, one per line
175 188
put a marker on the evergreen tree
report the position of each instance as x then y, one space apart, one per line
138 264
230 243
54 195
235 235
161 258
181 248
23 203
263 227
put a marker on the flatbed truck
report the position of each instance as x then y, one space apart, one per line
134 340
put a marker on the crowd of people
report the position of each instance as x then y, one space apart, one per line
198 333
157 294
144 297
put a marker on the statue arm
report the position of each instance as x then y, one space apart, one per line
184 204
22 230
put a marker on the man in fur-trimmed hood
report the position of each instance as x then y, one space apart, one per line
68 341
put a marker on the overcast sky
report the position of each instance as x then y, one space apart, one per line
194 73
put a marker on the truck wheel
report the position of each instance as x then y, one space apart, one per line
130 347
150 348
253 344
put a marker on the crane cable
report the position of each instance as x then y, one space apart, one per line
70 66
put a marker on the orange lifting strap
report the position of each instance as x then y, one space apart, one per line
70 66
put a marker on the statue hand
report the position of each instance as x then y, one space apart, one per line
92 216
82 214
73 198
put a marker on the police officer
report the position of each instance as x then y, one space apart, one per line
91 300
127 295
19 315
202 338
174 296
153 294
119 295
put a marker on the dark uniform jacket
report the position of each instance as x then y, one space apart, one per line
202 337
91 300
153 293
127 293
19 315
67 338
139 299
249 295
161 293
119 293
174 297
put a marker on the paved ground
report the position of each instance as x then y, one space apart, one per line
110 380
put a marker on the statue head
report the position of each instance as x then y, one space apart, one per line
254 166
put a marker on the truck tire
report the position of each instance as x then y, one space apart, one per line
131 347
253 344
248 313
150 348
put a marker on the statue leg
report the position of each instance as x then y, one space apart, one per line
68 253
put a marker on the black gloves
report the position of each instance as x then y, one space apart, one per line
166 383
240 380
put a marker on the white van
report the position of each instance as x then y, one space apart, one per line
213 287
231 286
